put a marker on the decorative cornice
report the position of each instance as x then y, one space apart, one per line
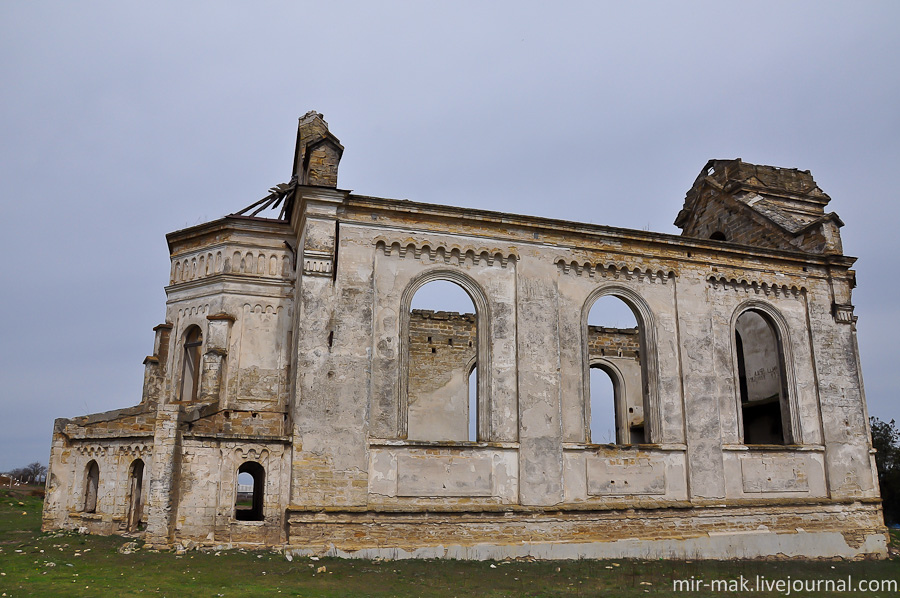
317 263
843 313
446 253
614 271
221 316
757 287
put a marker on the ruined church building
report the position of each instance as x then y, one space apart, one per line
296 399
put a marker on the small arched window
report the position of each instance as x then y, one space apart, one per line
251 484
718 236
763 402
91 486
606 407
190 369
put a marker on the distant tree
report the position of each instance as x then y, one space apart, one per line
36 471
31 473
886 441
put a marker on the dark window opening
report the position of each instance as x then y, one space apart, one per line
190 370
135 496
91 487
248 503
763 405
718 236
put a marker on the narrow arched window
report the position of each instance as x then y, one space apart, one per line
190 369
614 409
763 405
443 401
251 484
605 408
135 495
91 486
473 402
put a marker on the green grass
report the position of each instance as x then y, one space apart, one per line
91 566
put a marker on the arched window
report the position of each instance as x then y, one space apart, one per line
605 414
718 236
764 407
251 484
135 491
473 401
442 379
190 369
91 486
614 409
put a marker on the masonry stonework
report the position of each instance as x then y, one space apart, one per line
291 363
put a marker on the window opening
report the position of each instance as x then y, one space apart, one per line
473 404
603 407
442 386
135 498
760 380
248 503
91 487
190 376
718 236
615 411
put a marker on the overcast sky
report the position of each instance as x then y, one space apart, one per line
122 121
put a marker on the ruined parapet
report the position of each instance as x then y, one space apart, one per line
614 342
155 365
766 206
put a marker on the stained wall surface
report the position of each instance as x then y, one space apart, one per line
372 438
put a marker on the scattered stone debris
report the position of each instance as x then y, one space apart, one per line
129 548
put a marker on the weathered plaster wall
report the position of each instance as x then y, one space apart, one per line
66 486
208 488
314 372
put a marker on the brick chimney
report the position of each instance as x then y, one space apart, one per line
318 152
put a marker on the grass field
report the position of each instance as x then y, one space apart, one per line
67 564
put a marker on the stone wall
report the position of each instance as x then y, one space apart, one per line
359 417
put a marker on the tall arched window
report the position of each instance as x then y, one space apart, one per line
615 385
606 411
135 491
442 382
473 401
251 484
190 369
91 486
763 399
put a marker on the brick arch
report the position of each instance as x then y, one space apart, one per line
482 319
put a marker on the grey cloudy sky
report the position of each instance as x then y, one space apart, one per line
120 122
